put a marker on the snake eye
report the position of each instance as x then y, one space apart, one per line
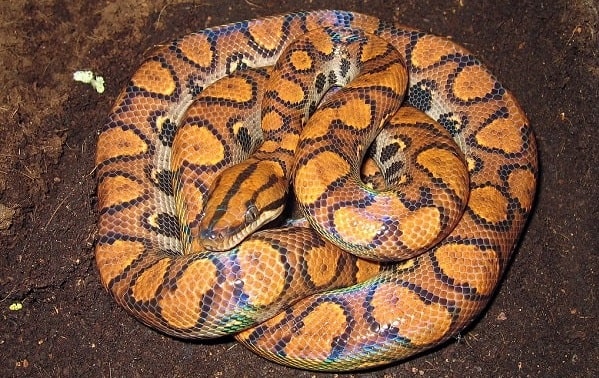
251 214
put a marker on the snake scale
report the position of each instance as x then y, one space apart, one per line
202 144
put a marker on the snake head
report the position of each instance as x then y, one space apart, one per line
242 199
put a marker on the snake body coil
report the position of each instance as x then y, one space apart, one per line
204 103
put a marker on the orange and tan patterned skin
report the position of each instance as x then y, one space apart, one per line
290 294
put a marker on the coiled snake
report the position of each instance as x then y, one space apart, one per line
169 186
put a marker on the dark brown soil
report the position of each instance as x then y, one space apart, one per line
543 321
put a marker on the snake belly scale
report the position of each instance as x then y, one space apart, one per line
291 294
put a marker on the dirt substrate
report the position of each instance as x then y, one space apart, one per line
543 321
